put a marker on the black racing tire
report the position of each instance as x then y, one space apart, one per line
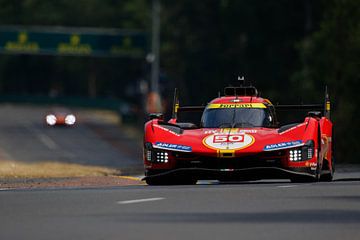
303 179
163 181
185 181
328 177
318 167
155 181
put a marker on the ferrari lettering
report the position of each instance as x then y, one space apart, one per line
237 105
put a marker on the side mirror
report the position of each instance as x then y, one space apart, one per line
316 114
159 116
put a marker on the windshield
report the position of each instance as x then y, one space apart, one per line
236 117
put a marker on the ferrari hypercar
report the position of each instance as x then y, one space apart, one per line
238 138
60 117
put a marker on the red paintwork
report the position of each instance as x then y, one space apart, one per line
60 119
308 130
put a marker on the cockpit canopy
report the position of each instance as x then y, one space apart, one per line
237 116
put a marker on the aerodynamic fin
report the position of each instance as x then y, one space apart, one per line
327 104
175 104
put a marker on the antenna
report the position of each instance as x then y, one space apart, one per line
175 104
241 80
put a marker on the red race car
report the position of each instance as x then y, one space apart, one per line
238 138
60 117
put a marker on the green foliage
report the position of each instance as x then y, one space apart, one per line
208 43
331 56
91 13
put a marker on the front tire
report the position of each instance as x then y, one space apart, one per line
155 181
303 179
328 177
163 181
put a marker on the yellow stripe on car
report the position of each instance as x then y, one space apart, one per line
236 105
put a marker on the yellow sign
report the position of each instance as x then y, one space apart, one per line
236 105
22 44
74 46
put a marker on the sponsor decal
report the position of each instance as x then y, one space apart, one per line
283 145
174 147
230 130
236 105
221 141
210 131
313 166
247 131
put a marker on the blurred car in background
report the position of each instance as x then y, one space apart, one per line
60 117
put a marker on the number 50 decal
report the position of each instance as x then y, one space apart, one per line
228 138
229 141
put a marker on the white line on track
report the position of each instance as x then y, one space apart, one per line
288 186
296 185
140 200
47 141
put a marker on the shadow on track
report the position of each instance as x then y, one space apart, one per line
296 216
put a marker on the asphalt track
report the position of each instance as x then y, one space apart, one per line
24 137
258 210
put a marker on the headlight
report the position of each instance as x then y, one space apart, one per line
162 157
303 153
70 119
156 156
51 119
295 155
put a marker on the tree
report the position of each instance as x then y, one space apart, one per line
331 56
208 43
